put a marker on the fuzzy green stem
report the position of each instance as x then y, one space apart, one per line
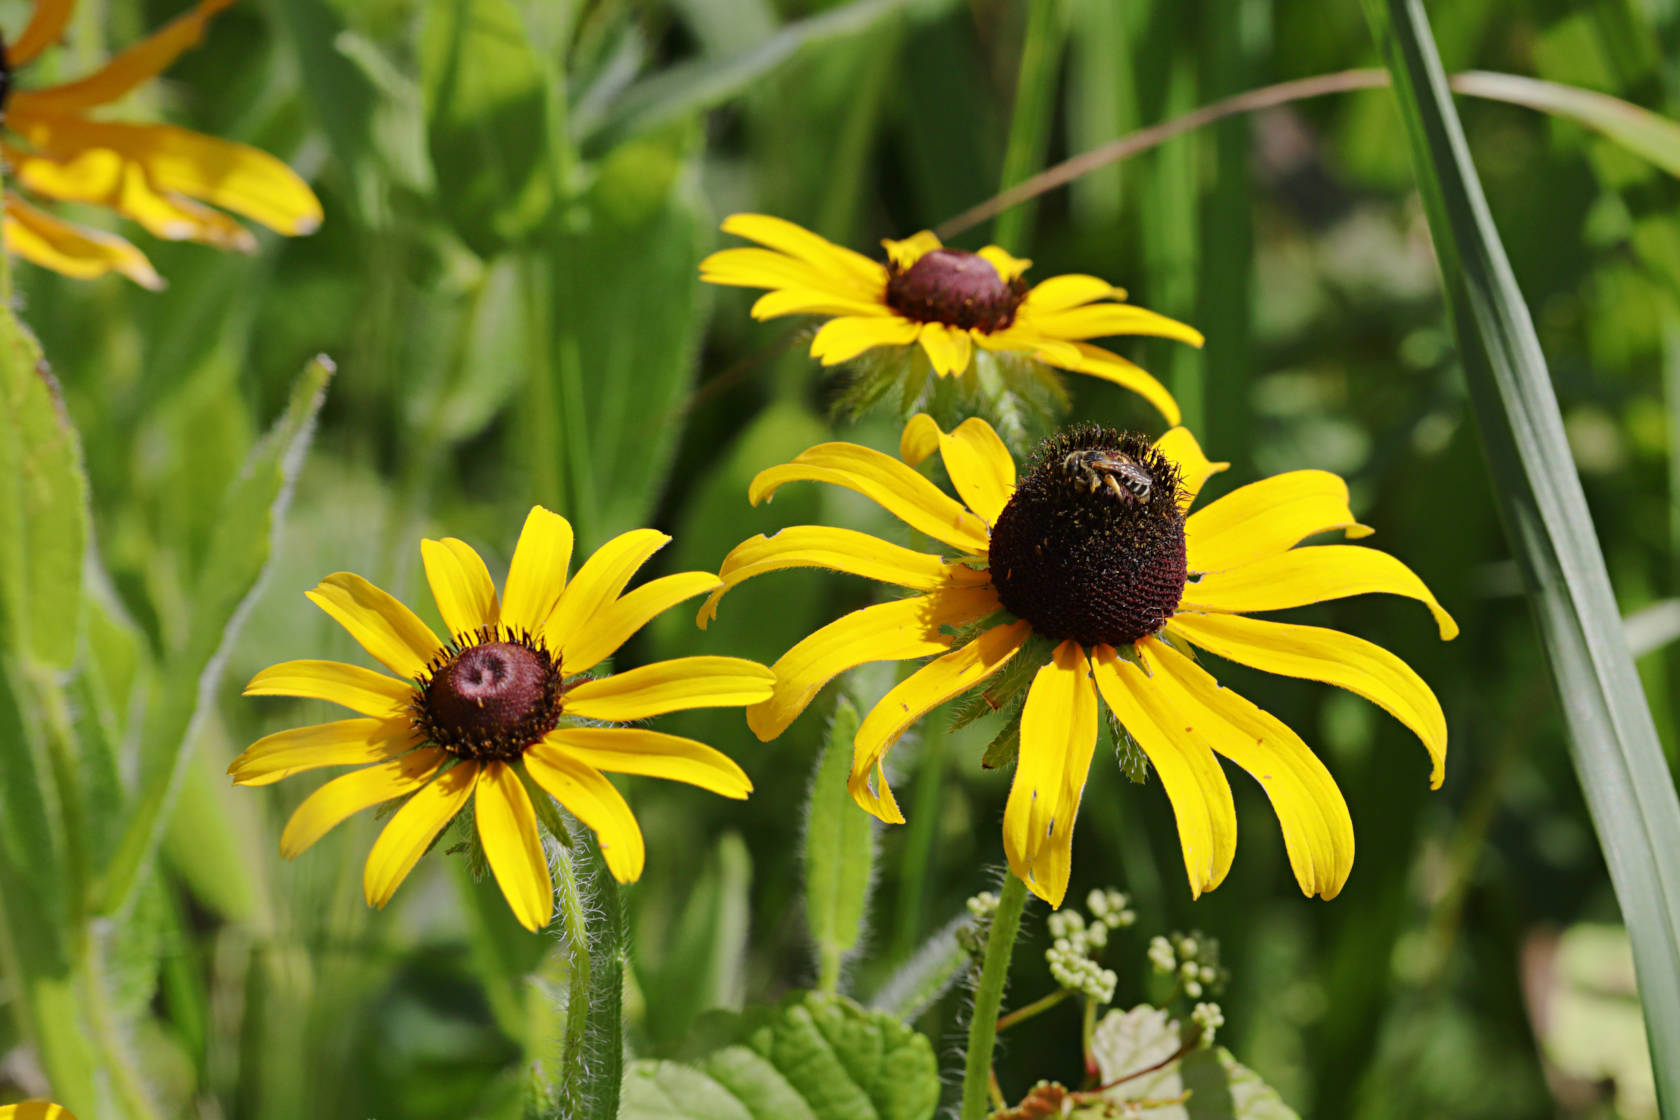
604 1042
988 996
1029 127
569 900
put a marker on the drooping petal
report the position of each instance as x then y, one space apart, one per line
975 457
1022 337
378 621
669 686
537 573
840 550
75 251
612 625
1265 517
1008 267
1316 654
911 249
802 244
360 690
914 697
766 268
1311 575
1317 830
896 631
589 797
126 69
598 583
948 348
1097 362
1059 293
45 27
1101 320
411 830
461 585
812 301
1058 736
889 483
341 798
653 754
1194 467
507 827
345 742
841 340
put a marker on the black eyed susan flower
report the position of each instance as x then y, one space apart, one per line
1094 561
508 697
155 174
960 309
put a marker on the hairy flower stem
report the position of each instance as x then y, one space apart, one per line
569 902
604 1042
988 996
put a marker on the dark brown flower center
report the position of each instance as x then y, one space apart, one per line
954 287
491 698
1091 545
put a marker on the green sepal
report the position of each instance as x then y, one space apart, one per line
1001 751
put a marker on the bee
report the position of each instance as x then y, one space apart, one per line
1123 475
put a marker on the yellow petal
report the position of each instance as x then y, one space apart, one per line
507 827
1059 293
1194 467
461 585
591 799
537 574
1058 736
1316 654
812 301
613 624
1102 320
45 27
907 252
948 348
1311 575
378 621
345 742
1265 517
840 550
976 459
896 631
652 754
1024 338
1190 774
126 69
919 439
236 177
669 686
914 697
598 583
323 810
804 245
1317 830
412 829
35 1110
1097 362
360 690
841 340
74 251
1008 267
766 268
886 481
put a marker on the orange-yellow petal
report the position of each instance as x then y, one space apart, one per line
507 827
766 268
841 340
653 754
1007 267
1058 737
975 457
598 583
344 797
948 348
46 25
1101 320
360 690
74 251
461 585
411 830
1194 467
802 244
345 742
1097 362
669 686
1265 517
911 249
378 621
614 623
1059 293
537 573
589 797
35 1110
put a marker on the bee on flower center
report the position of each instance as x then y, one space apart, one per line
1123 475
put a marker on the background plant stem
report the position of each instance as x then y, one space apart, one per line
988 995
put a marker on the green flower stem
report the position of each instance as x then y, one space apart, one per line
988 996
604 1041
569 901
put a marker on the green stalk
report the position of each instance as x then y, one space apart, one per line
604 1041
569 901
1029 127
988 996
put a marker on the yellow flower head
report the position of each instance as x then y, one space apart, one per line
156 174
501 699
958 306
1095 557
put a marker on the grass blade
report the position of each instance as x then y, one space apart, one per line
1029 129
1613 741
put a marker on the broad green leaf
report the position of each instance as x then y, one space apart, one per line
1218 1086
816 1057
43 506
238 553
488 114
839 853
1613 742
926 976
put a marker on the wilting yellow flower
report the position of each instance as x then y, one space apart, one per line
35 1110
951 302
505 695
156 174
1092 551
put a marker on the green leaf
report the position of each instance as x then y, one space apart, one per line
1613 742
702 958
43 506
839 853
238 554
1218 1086
816 1057
489 115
